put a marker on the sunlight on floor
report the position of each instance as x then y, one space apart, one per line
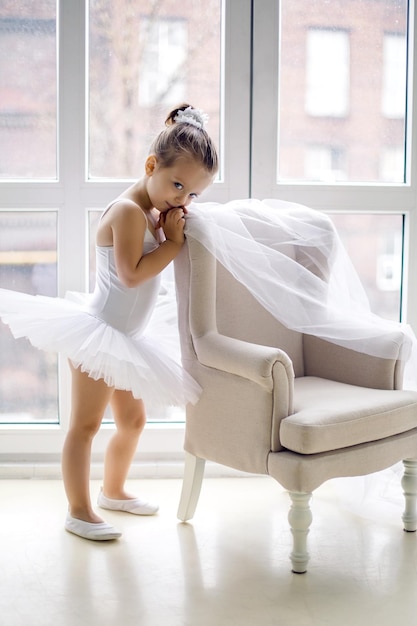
229 565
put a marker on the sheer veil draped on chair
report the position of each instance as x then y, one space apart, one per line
315 290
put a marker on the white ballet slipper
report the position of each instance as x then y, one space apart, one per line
135 506
100 531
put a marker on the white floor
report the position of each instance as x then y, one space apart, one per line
229 566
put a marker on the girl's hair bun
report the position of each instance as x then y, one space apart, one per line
187 114
185 137
171 117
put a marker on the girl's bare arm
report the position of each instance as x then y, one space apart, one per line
128 226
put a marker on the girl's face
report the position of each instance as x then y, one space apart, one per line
175 186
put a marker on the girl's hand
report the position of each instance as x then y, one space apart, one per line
172 222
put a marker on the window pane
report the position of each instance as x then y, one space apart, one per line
144 59
375 244
342 93
28 377
28 89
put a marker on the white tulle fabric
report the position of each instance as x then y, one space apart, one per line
291 259
109 333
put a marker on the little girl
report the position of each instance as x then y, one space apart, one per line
112 361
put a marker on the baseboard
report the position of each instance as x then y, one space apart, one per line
16 470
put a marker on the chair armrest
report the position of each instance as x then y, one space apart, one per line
327 360
249 360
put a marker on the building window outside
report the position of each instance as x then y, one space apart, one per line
341 120
325 164
143 59
162 70
392 164
342 76
394 76
327 74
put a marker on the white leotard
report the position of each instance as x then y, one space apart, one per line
126 308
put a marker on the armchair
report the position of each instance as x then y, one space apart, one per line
282 403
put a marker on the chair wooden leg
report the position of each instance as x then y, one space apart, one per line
191 486
409 485
300 518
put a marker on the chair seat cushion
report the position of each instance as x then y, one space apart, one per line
329 415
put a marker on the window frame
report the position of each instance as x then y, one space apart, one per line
249 127
73 196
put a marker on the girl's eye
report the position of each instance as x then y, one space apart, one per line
178 185
194 195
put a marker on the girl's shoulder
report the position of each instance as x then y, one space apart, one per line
123 203
124 209
124 216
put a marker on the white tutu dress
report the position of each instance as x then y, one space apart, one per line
107 333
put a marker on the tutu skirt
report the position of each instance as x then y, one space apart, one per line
147 365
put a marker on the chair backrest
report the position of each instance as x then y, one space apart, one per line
210 298
240 315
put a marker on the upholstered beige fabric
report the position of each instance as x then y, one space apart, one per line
306 472
329 415
327 360
267 389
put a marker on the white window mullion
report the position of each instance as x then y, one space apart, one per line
236 103
410 252
71 145
264 98
71 163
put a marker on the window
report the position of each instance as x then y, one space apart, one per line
28 235
56 178
252 66
28 90
28 378
340 143
342 78
144 59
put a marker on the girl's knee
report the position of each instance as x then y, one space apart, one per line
138 421
133 421
85 426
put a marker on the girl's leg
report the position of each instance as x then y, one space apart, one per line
130 419
89 400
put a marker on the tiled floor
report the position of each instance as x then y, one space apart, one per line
229 566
